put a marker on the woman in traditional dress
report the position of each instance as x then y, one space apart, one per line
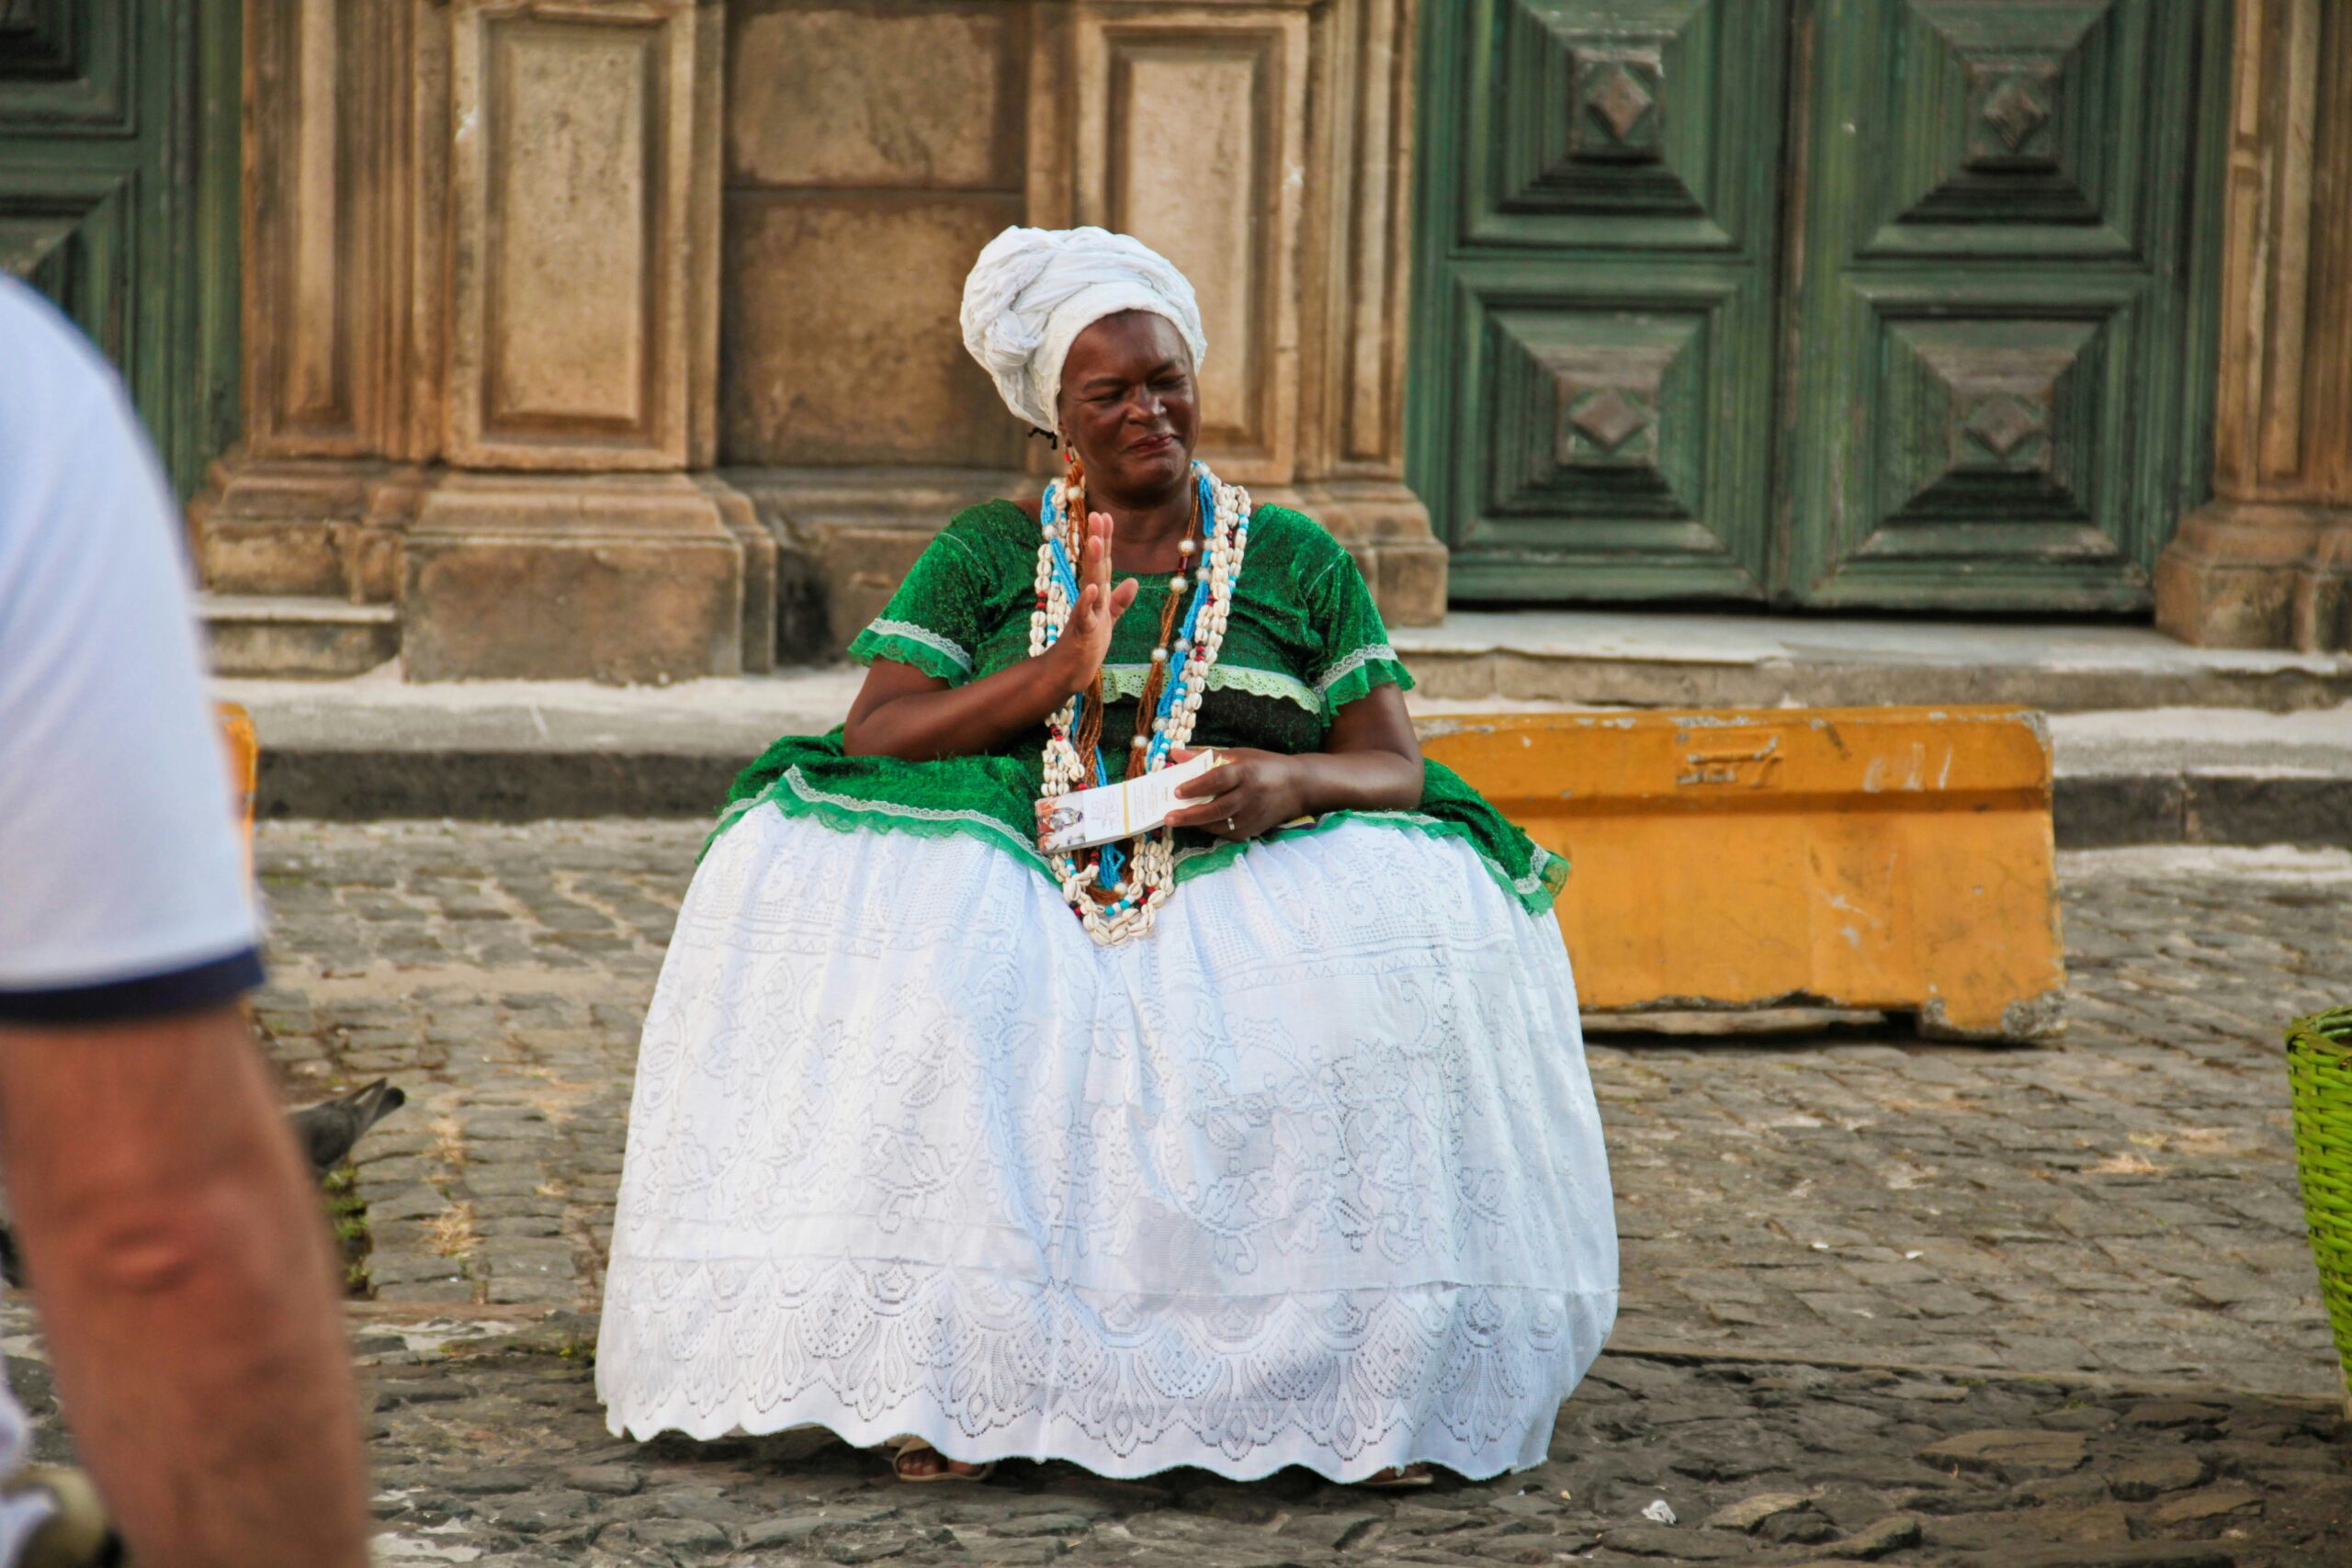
1264 1140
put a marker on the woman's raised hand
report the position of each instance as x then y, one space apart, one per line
1086 639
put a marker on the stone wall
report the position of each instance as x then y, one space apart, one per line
618 338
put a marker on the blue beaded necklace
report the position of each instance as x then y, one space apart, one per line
1109 861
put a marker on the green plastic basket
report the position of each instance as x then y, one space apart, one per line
2319 1066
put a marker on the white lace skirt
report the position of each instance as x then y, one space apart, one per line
1311 1175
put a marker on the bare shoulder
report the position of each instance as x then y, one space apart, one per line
1027 505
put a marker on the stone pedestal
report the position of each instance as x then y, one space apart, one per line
2269 562
480 323
312 527
631 579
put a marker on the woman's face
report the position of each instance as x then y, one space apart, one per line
1129 405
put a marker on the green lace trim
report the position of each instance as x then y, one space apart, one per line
1547 873
1123 681
935 655
793 794
1357 674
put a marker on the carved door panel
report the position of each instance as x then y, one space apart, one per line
1591 401
118 198
1993 400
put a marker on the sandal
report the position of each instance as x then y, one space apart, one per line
1399 1478
903 1449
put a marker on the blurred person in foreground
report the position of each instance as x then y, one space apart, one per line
176 1252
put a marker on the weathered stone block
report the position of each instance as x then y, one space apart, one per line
2221 603
859 360
845 537
760 601
825 97
625 581
296 636
1410 589
2320 610
242 557
324 528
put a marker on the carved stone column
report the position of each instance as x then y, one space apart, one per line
481 327
2269 562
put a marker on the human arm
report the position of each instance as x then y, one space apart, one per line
903 712
1369 762
180 1263
191 1314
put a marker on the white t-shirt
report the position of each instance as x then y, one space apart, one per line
123 883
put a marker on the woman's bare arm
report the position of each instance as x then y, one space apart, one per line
901 712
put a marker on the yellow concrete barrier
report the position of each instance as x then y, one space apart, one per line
244 749
1887 858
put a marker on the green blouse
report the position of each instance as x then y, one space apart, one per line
1304 639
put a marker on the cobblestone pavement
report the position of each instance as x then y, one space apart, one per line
2079 1269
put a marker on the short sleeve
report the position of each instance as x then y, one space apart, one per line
1356 655
934 620
123 890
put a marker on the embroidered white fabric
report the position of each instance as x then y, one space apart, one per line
1312 1175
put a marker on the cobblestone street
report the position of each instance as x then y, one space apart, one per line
1916 1304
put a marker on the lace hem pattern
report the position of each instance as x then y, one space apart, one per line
1346 1382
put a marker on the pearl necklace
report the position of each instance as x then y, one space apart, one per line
1183 661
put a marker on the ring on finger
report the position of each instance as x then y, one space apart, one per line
1228 825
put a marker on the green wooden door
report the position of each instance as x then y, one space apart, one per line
1592 399
1878 303
1997 404
117 158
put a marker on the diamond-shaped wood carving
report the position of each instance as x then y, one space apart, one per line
2010 113
1596 413
2008 118
65 66
1620 116
2010 427
1583 119
1602 422
1992 419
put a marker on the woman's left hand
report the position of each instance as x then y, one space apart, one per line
1246 794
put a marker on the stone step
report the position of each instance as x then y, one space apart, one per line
517 750
1610 658
297 636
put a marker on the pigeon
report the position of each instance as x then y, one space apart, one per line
329 1130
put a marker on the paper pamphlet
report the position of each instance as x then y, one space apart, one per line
1085 817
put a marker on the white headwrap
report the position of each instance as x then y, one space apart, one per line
1034 290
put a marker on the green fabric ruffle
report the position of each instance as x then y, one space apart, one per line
907 644
992 798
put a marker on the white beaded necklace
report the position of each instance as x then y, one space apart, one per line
1150 874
